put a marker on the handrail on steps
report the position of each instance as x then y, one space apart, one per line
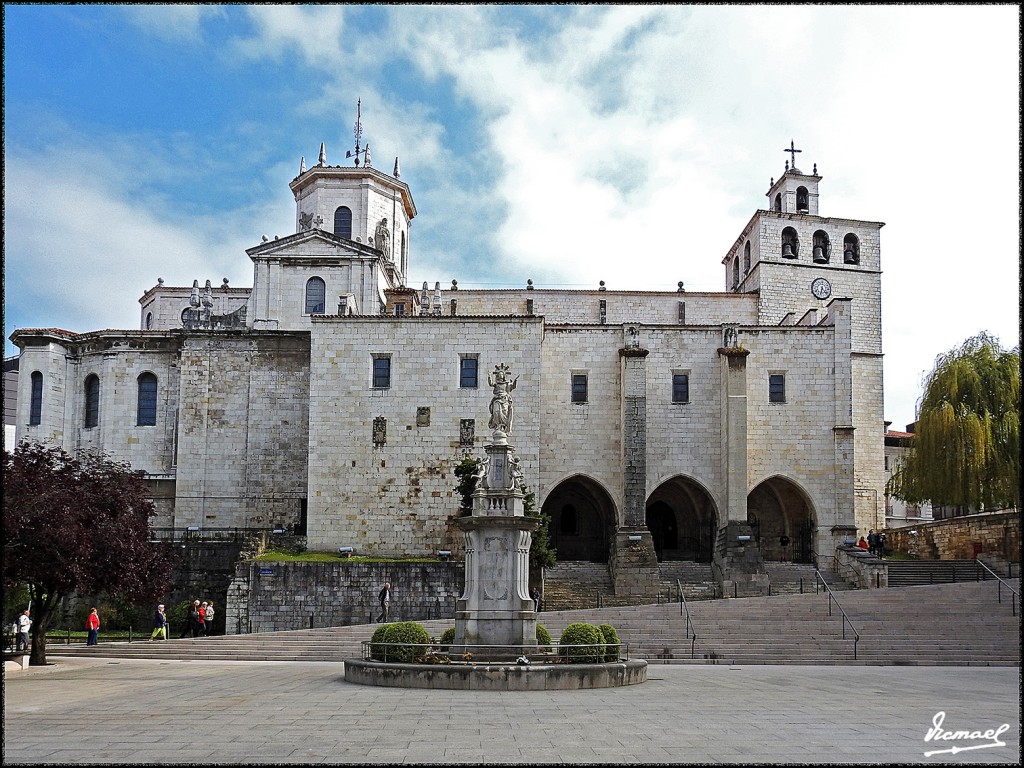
1014 594
689 622
832 598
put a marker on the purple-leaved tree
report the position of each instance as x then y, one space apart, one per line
77 524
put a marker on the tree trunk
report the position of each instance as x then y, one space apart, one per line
38 656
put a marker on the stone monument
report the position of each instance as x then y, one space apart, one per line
496 618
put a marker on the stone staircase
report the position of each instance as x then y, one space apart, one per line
957 624
577 584
912 573
799 578
697 579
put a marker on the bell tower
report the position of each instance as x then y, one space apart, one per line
349 249
810 270
357 202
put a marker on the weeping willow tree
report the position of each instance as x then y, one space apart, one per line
966 450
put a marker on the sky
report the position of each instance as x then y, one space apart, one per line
566 144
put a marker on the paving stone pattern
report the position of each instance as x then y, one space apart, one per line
120 711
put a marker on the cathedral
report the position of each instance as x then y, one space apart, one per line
334 400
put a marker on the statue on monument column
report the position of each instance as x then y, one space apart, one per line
501 402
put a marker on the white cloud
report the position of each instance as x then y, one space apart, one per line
82 254
314 31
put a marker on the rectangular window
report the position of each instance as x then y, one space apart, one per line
579 388
399 308
35 413
680 387
381 371
468 366
776 388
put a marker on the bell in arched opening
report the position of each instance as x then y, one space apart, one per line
789 243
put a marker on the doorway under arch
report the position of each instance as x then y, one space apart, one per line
783 521
683 521
583 519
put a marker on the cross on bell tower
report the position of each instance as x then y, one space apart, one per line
792 151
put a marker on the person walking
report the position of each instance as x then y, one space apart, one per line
208 618
159 624
384 597
202 619
23 625
872 542
93 625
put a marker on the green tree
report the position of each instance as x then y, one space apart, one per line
77 524
966 450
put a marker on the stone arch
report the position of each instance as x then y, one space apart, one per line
790 243
851 249
783 520
683 520
820 252
802 200
583 519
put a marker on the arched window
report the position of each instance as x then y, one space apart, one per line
92 400
735 273
790 243
851 249
343 222
801 199
403 252
778 203
147 401
746 257
316 293
149 321
35 411
820 253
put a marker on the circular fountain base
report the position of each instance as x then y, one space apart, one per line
496 676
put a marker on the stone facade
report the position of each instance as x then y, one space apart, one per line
342 406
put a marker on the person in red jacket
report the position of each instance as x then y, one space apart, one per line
202 619
93 625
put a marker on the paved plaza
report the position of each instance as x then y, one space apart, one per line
133 711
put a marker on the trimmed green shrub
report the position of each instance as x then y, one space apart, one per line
447 637
399 632
611 641
582 634
543 638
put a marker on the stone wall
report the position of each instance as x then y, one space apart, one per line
961 538
271 597
858 566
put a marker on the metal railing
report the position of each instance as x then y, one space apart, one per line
1014 594
543 653
818 578
689 622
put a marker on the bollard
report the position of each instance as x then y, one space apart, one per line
311 620
129 633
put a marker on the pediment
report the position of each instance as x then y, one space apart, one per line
312 244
